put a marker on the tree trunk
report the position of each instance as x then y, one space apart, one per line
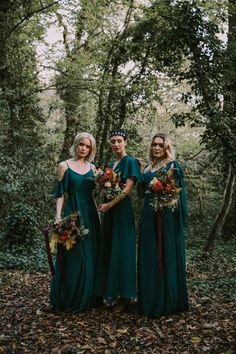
230 96
225 218
71 117
108 112
225 209
72 128
229 228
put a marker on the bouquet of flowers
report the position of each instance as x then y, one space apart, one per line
165 191
67 232
108 182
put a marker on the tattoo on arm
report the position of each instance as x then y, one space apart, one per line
118 199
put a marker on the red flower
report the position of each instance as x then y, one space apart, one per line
65 236
157 186
107 176
108 171
168 188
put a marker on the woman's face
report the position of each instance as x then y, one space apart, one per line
118 144
158 150
83 148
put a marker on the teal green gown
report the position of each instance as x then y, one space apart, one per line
116 273
162 293
75 293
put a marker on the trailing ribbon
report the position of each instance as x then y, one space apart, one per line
159 237
59 255
49 255
61 265
107 232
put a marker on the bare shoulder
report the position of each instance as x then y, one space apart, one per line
62 167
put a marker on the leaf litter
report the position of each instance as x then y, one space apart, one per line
26 328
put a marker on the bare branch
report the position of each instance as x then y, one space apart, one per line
194 156
53 68
65 33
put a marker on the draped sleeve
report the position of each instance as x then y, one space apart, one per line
61 186
131 168
179 176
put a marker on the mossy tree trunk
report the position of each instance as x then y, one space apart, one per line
224 211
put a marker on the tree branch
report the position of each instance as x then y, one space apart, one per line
53 68
27 17
195 155
65 33
59 86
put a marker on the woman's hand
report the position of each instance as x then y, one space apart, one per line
57 219
104 207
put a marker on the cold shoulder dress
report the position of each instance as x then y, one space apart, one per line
80 262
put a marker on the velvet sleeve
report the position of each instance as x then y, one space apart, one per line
61 186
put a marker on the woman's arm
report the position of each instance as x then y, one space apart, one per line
62 167
128 187
59 205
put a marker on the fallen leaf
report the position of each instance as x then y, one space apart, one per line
195 340
101 340
122 330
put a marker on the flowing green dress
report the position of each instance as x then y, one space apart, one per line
162 293
79 263
116 274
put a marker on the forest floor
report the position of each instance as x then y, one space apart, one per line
207 328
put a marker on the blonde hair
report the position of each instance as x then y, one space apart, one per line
168 148
77 140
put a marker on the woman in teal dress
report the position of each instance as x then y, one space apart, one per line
161 267
72 285
116 275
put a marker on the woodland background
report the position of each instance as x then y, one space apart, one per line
69 66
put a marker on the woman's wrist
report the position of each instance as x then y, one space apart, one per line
57 218
109 205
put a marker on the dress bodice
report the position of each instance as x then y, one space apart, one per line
74 182
80 183
149 175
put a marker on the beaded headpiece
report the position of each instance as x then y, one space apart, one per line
118 131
